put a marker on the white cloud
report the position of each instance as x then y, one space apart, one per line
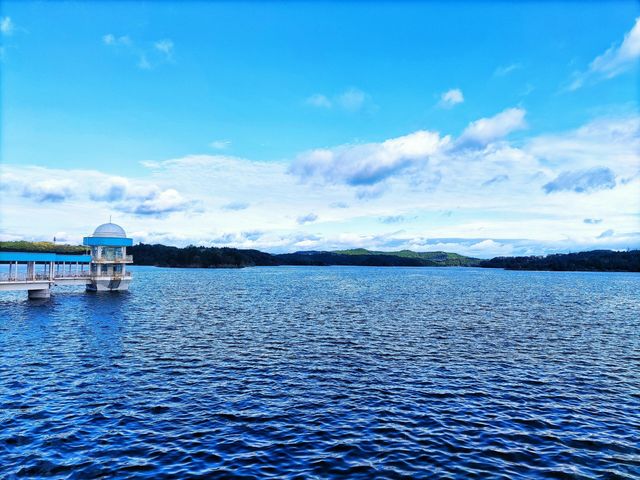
319 100
51 190
148 56
582 181
6 26
451 98
606 234
165 46
308 218
489 129
506 69
351 100
615 139
235 206
135 196
111 189
616 60
164 202
143 63
528 88
220 144
392 219
112 40
371 163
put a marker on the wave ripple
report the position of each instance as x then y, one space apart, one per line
326 372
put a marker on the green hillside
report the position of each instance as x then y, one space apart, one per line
440 258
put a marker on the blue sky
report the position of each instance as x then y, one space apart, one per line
484 128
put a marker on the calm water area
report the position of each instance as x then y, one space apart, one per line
325 372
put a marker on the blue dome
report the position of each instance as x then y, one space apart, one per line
109 230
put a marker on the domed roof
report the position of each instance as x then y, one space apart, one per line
109 230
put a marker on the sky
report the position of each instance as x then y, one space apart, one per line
482 128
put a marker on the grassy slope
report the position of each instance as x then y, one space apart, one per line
42 247
443 258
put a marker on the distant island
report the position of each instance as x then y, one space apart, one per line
225 257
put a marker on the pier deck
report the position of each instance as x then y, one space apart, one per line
38 272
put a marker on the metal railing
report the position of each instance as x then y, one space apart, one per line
38 277
85 274
22 277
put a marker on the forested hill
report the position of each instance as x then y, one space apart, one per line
205 257
595 260
164 256
212 257
433 258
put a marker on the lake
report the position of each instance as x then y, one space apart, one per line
318 372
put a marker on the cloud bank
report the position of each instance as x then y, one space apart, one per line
479 194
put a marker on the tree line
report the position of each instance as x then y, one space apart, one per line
226 257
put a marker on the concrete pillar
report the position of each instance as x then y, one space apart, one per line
40 293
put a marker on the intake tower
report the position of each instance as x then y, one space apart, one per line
109 258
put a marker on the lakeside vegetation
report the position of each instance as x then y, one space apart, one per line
225 257
595 260
40 247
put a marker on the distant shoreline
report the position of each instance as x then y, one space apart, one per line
225 257
234 267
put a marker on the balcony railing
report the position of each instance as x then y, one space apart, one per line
113 259
113 276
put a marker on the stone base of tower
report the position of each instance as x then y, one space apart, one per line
39 293
108 284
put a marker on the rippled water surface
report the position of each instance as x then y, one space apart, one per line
325 372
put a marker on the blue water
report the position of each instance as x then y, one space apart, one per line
325 372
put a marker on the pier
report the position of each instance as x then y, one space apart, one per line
102 269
